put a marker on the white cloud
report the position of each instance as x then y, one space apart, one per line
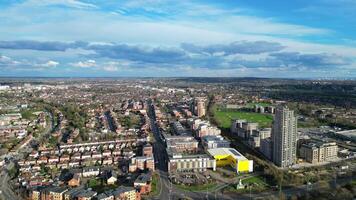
228 25
5 60
84 64
111 66
68 3
194 23
48 64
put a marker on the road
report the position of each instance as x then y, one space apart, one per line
160 156
6 192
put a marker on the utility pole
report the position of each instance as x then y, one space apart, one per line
280 187
170 189
335 177
207 196
250 190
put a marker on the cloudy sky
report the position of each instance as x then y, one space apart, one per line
87 38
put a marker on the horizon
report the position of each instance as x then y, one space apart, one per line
176 77
85 38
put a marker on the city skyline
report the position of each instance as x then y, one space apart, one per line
72 38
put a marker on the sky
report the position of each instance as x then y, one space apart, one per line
166 38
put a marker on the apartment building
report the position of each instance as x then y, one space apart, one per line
284 137
316 152
214 141
190 163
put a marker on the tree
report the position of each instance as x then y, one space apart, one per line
13 171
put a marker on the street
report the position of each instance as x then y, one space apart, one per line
6 192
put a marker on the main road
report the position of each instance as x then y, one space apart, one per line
160 155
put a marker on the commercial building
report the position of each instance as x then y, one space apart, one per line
284 137
231 157
216 141
190 163
316 152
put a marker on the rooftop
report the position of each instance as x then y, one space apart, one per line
227 151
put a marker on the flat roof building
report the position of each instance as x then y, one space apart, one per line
230 156
348 134
180 144
191 163
214 141
315 152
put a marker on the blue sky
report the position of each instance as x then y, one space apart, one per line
86 38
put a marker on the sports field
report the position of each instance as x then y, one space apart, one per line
224 117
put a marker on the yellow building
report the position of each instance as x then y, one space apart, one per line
229 156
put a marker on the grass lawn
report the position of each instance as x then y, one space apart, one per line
224 117
256 180
353 182
196 188
155 185
258 185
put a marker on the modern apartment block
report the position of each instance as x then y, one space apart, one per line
180 144
214 141
198 107
284 137
316 152
243 128
266 147
190 163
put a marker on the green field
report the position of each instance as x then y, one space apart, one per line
224 117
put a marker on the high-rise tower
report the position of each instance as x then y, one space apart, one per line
284 136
